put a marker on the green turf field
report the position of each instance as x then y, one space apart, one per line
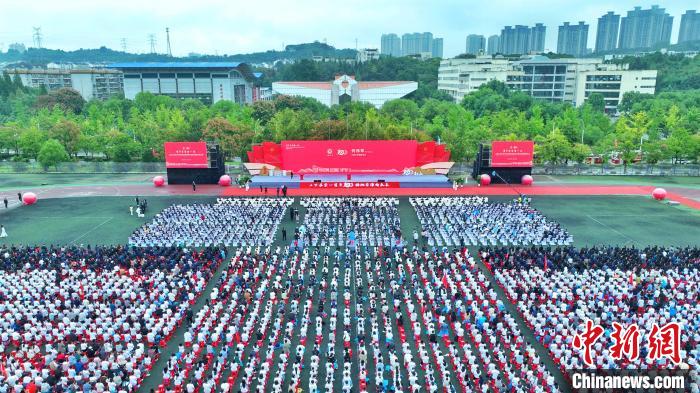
93 220
660 181
615 220
18 180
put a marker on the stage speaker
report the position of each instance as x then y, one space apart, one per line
317 181
381 181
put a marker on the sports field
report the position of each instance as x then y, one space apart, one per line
593 220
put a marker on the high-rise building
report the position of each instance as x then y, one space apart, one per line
421 44
475 44
690 27
572 39
437 47
391 45
522 39
645 28
494 44
409 44
606 35
537 34
426 42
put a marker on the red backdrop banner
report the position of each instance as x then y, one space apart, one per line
512 153
186 155
334 157
426 153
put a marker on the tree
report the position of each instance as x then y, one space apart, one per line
263 111
597 102
65 98
68 133
234 139
553 148
629 132
580 152
401 110
52 153
30 142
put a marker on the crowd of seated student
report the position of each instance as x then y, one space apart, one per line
76 319
558 290
327 321
352 222
230 221
473 220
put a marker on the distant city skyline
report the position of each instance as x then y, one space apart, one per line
220 27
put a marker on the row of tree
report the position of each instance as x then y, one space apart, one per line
63 126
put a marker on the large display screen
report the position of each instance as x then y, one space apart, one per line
186 155
328 157
512 153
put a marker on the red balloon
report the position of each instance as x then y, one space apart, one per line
485 180
659 194
159 181
225 181
29 198
526 180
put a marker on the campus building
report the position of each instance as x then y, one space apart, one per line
345 89
97 84
563 80
208 82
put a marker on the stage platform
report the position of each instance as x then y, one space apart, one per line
376 181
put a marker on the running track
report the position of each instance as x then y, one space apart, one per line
682 195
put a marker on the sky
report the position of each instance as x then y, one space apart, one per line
232 27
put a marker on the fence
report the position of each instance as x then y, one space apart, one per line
619 170
462 169
465 170
84 167
96 167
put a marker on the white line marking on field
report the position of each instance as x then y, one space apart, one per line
629 239
91 230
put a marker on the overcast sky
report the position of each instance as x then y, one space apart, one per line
230 26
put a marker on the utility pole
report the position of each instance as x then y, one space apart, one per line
37 36
167 35
123 43
152 42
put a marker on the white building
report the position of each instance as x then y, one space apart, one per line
99 84
345 88
367 54
565 80
459 77
208 82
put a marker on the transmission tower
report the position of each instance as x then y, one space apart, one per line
152 42
37 37
123 43
167 35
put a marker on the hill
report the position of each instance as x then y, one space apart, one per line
41 57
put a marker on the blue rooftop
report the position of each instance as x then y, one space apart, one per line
175 64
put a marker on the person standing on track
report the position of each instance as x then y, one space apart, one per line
194 186
5 202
